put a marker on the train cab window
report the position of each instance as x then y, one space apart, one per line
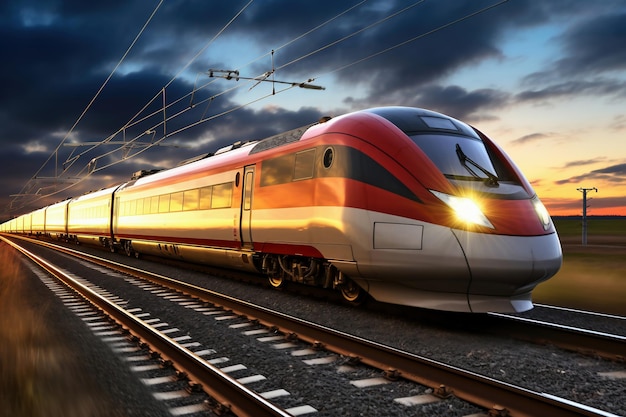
176 202
205 198
191 199
443 150
222 195
303 168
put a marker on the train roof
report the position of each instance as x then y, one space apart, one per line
413 120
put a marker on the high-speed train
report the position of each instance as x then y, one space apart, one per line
407 205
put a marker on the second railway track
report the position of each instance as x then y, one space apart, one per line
442 379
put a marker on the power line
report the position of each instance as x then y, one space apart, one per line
67 135
132 144
398 45
73 158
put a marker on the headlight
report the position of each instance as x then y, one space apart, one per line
465 209
542 212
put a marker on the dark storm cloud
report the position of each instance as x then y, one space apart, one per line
531 138
602 87
457 101
57 53
595 46
593 52
614 174
584 162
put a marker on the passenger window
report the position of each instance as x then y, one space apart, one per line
222 195
164 203
205 198
191 199
154 204
140 206
304 165
277 170
176 202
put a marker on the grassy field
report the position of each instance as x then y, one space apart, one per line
593 276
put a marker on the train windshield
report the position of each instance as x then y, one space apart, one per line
458 157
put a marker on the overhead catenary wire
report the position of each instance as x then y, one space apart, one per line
91 168
430 32
67 135
158 94
70 163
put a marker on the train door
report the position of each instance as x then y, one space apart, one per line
245 227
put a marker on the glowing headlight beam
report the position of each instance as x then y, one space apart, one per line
464 208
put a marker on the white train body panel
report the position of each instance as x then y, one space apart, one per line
89 216
56 219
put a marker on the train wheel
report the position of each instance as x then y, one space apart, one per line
276 281
128 248
352 293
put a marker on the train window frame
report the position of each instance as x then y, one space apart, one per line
304 165
206 195
139 206
176 202
164 203
191 199
154 204
222 195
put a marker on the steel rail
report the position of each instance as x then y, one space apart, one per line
606 345
489 393
230 394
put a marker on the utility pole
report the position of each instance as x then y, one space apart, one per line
584 191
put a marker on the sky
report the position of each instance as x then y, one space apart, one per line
94 91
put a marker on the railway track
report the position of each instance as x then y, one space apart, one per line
444 381
588 342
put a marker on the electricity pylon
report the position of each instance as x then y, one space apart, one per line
584 191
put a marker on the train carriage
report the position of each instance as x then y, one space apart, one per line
56 220
39 222
187 213
89 217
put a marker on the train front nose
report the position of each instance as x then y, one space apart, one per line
505 269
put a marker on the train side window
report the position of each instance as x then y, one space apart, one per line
164 203
140 206
176 202
303 168
222 195
191 198
277 170
329 156
132 211
205 198
154 204
147 203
